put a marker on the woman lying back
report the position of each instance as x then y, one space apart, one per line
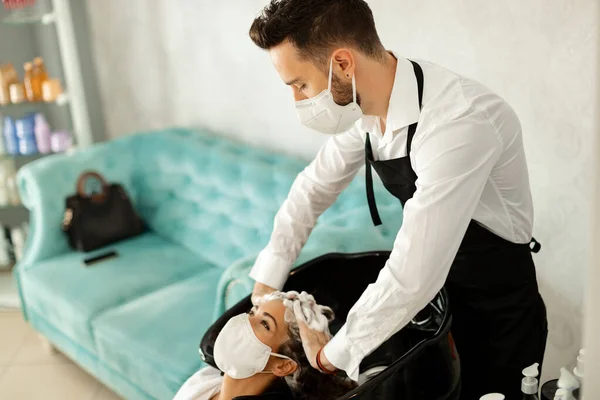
257 350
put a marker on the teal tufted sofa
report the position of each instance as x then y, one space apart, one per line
135 322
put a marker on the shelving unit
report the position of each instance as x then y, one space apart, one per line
56 15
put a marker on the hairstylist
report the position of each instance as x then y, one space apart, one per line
451 151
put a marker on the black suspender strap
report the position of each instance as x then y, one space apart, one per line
369 151
413 128
369 183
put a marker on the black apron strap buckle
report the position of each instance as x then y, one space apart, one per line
535 246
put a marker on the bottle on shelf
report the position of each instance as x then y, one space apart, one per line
12 190
10 136
8 183
2 149
8 76
28 81
17 236
5 261
51 90
38 63
11 248
38 77
4 173
25 131
61 141
42 134
17 93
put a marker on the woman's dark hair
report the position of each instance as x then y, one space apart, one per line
307 383
317 27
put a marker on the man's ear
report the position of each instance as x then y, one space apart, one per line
284 367
343 63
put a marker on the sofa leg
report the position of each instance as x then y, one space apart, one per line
47 345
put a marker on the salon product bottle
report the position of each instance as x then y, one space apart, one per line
17 93
2 149
25 128
12 190
42 134
61 141
5 261
567 383
493 396
18 241
8 76
4 198
38 63
10 136
28 81
529 384
578 371
39 76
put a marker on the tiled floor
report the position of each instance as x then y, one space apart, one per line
28 371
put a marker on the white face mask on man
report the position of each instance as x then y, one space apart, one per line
323 114
238 352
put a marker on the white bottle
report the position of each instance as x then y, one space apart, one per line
529 384
493 396
578 371
13 191
2 149
5 261
18 239
567 383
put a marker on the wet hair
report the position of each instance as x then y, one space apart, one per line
307 383
318 27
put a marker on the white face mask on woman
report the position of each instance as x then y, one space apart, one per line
238 352
323 114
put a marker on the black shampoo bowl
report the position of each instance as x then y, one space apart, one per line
417 363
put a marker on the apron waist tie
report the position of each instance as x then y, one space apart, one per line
535 246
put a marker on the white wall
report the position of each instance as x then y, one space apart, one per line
191 63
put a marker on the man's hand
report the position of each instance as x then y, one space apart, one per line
313 341
259 291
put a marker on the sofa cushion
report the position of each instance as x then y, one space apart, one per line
69 295
154 339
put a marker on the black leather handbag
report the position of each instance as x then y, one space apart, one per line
95 220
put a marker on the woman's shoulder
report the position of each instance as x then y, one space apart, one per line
203 385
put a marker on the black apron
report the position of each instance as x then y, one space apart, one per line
499 318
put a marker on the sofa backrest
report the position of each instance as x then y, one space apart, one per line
216 197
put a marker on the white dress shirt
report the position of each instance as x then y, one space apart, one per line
468 155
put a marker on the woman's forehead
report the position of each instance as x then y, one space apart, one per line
272 306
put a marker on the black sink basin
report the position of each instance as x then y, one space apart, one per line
418 363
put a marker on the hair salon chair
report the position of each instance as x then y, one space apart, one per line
417 363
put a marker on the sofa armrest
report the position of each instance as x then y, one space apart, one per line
46 183
235 283
350 232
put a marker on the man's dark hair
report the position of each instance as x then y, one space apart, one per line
317 27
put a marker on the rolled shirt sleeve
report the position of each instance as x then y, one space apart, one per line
314 190
453 163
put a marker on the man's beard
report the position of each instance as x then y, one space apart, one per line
342 92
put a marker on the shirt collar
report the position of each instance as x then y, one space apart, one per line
403 109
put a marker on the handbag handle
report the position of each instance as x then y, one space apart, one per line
81 185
